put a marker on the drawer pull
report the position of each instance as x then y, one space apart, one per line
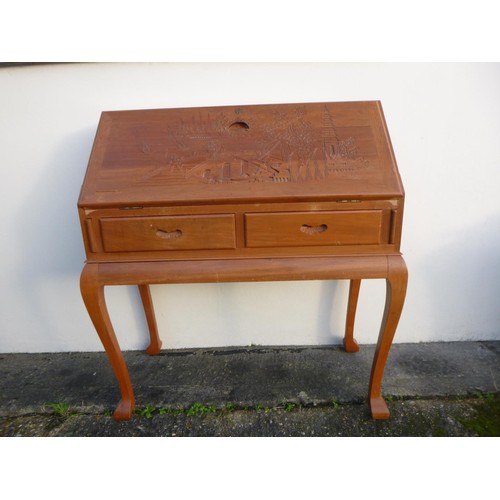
169 235
313 229
239 126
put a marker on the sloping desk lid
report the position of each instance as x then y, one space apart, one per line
280 152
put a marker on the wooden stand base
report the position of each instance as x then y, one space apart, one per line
392 268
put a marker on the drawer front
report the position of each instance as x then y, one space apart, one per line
361 227
142 234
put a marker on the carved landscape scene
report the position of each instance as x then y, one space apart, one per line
222 149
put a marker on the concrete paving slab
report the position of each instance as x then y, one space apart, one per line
306 390
423 418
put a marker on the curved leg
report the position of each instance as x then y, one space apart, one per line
350 343
396 290
155 343
93 297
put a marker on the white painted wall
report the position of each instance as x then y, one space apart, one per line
444 121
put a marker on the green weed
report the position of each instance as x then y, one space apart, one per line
146 411
169 411
59 409
230 407
200 409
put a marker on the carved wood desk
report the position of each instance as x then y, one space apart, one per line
242 193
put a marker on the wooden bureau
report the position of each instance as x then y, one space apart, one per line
242 193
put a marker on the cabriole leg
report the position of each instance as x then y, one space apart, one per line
155 343
350 343
93 296
397 280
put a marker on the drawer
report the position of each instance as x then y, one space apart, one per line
360 227
142 234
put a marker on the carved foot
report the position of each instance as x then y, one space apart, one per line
124 410
379 408
350 345
154 348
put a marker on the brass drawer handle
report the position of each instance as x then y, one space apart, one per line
313 229
169 235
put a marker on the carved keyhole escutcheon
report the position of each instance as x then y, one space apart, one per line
239 126
169 235
313 229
